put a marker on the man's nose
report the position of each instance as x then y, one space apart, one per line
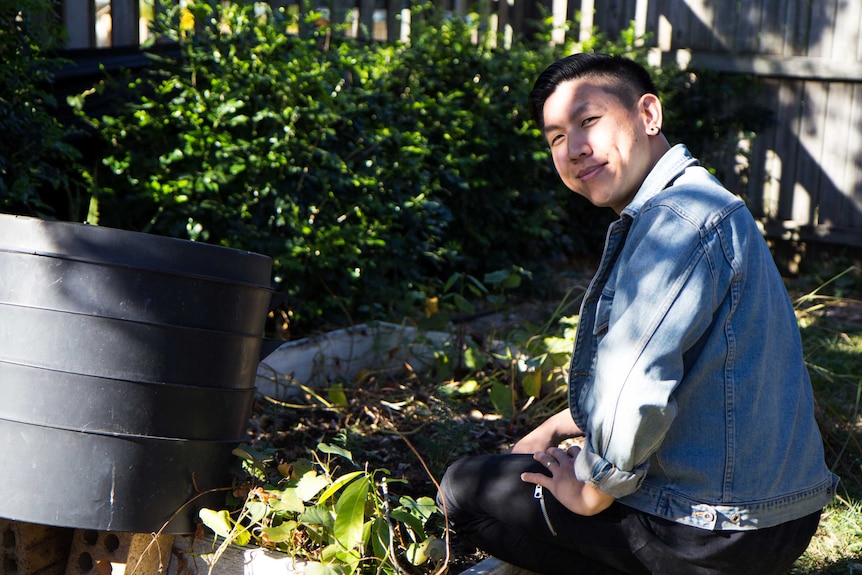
578 147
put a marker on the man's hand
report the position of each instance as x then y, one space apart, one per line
549 434
575 495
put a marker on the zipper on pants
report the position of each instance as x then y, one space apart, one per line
538 494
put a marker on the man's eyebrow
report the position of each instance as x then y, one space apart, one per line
578 110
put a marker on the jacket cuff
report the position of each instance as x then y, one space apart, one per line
598 472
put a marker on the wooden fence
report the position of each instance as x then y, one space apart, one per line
805 172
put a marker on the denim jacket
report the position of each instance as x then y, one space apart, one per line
687 375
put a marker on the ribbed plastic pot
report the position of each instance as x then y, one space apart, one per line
127 368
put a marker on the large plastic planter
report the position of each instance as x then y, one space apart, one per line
127 368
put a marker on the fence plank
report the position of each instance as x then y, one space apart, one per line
724 28
853 167
663 28
79 18
588 15
845 41
652 18
519 12
812 119
748 30
820 34
573 16
678 17
764 175
786 145
393 20
503 17
613 16
124 23
780 67
796 28
833 206
366 19
859 36
773 25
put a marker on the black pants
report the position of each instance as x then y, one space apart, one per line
489 505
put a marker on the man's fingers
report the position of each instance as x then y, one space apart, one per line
537 478
556 452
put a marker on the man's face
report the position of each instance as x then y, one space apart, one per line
600 146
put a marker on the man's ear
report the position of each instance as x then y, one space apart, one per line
651 113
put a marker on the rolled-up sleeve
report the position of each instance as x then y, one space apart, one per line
595 470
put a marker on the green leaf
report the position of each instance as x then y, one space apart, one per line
498 276
350 513
312 568
223 526
317 515
476 286
241 537
380 538
334 450
501 399
473 358
423 507
532 383
497 300
337 395
420 552
414 523
468 386
218 521
283 532
338 484
310 485
290 501
462 304
256 510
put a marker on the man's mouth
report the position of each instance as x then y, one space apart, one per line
590 171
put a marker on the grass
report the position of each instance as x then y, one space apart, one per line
832 339
830 322
837 545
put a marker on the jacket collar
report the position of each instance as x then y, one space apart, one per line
669 167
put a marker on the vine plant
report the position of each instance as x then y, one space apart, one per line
328 522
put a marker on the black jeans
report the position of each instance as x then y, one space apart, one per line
489 505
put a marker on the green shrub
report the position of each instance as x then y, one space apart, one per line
366 171
371 173
39 170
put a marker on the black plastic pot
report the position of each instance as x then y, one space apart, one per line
115 406
108 482
127 367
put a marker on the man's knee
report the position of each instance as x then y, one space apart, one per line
448 494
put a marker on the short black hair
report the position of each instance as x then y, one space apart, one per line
627 79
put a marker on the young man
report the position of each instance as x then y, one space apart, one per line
687 386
